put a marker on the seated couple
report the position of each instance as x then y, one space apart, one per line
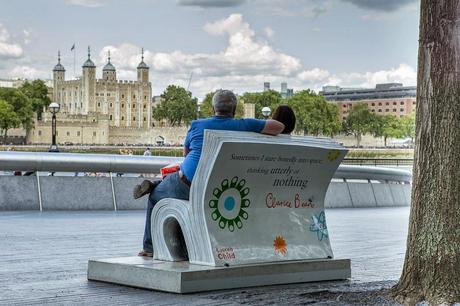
177 184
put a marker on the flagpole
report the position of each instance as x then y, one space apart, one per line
74 75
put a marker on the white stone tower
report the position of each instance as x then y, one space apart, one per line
142 70
89 85
109 72
58 76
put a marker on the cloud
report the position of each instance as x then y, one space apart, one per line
314 75
243 54
26 35
27 72
243 65
269 32
8 48
403 73
381 5
318 10
211 3
294 8
86 3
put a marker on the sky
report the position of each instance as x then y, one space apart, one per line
231 44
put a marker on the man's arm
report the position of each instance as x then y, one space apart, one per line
186 151
272 127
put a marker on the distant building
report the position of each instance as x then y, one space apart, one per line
11 83
381 91
384 99
16 83
285 91
156 100
266 86
283 88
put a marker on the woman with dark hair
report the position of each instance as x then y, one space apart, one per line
285 115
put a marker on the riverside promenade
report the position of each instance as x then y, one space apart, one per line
44 256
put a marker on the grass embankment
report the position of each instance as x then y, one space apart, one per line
381 153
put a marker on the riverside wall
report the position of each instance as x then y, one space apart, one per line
51 193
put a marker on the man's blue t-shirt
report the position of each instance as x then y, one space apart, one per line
194 138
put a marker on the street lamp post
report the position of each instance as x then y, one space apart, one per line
54 109
266 111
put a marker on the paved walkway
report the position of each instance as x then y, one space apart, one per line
43 258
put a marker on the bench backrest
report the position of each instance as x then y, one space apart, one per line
258 198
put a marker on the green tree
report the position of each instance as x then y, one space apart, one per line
8 119
314 114
37 92
270 98
360 121
206 106
177 106
21 106
408 126
387 126
206 109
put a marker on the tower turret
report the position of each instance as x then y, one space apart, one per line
142 70
58 77
109 71
59 70
89 85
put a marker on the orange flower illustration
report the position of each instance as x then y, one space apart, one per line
280 245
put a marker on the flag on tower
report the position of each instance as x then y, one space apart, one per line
73 47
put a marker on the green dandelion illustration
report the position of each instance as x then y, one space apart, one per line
229 203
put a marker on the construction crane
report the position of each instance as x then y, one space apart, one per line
190 80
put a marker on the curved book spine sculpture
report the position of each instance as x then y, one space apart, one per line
254 199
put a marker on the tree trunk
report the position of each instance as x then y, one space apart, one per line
385 141
432 265
358 139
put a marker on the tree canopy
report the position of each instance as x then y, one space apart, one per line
360 121
177 106
387 126
21 104
270 98
8 118
314 114
37 92
407 125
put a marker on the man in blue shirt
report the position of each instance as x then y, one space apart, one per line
177 184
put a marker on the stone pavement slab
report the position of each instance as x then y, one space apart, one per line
43 258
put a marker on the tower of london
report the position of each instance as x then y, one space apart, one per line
124 103
102 111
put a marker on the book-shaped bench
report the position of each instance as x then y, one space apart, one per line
255 217
254 199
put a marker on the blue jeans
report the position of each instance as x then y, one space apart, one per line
171 187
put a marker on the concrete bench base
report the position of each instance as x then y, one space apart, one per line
183 277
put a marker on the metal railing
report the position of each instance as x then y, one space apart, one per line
80 162
379 161
349 172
